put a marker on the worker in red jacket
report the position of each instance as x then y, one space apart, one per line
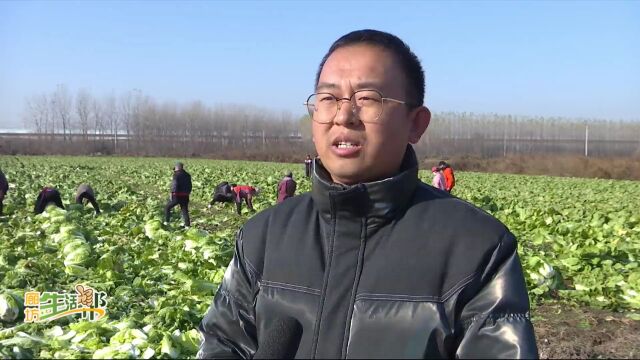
449 178
246 192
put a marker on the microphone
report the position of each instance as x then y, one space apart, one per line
281 340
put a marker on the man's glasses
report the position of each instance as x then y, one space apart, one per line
366 104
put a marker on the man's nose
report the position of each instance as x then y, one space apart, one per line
345 114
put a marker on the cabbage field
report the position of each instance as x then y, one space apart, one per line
579 240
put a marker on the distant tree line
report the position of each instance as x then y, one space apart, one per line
135 124
494 135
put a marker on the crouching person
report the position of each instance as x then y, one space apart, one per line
48 195
223 193
246 193
85 192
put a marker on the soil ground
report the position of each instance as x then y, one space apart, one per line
565 332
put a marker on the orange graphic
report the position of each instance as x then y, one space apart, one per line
85 296
98 311
32 298
31 314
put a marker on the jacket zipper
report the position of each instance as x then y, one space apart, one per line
354 289
325 282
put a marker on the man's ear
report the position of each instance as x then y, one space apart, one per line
420 119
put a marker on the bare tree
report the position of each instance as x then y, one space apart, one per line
83 111
112 116
126 115
62 103
38 113
97 123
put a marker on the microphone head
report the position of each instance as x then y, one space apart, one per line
280 340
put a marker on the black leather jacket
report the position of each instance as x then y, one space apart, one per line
4 184
389 269
181 182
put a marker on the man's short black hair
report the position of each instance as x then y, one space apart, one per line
442 163
408 60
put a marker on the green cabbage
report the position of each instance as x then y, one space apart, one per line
79 257
167 347
10 307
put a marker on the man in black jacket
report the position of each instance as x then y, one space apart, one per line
4 187
372 263
85 192
223 193
180 191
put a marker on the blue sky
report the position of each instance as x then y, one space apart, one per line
542 58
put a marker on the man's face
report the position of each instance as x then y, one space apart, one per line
376 149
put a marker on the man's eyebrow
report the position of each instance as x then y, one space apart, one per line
326 86
357 86
367 85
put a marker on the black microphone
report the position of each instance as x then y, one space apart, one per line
281 340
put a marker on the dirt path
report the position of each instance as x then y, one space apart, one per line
572 333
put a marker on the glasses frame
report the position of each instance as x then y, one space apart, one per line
353 105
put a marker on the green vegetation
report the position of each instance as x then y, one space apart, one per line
579 242
579 239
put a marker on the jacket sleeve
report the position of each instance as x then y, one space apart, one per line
291 190
38 200
496 321
4 184
229 328
174 183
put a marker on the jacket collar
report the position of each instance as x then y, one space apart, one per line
379 201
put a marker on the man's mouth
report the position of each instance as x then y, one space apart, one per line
346 145
346 148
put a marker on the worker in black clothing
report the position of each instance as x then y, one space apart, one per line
48 195
180 191
223 193
85 192
308 163
4 187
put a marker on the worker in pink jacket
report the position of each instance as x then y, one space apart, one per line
286 187
438 179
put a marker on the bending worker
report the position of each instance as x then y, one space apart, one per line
223 193
246 193
85 192
48 195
